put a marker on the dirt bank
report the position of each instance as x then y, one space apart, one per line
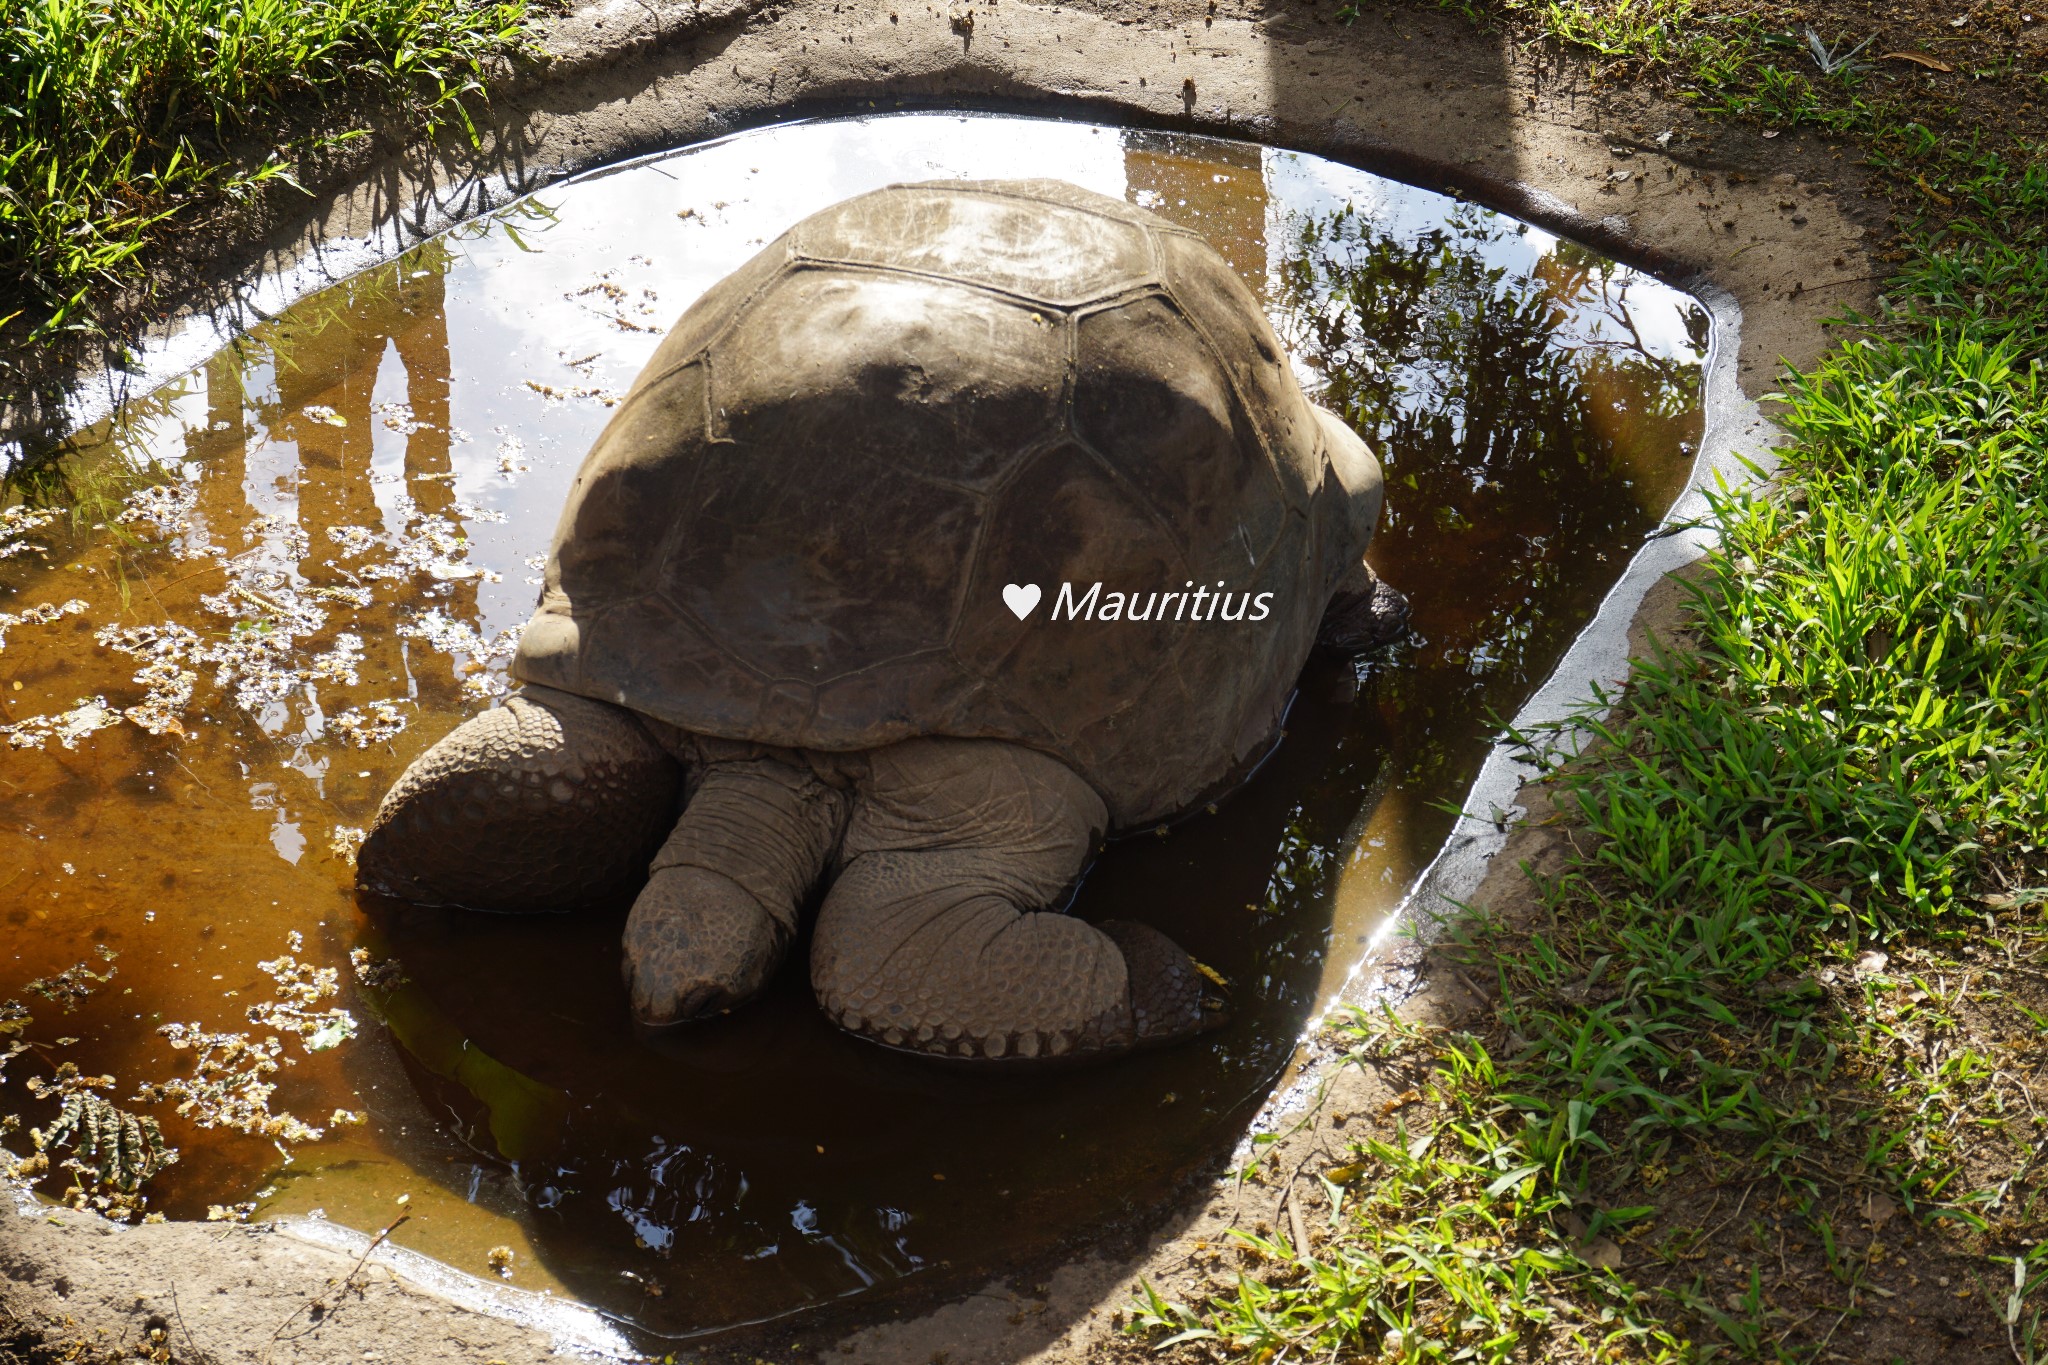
1780 225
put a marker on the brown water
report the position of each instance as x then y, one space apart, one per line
344 514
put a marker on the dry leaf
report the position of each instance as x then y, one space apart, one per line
1931 63
1932 193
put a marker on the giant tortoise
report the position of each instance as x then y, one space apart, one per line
794 586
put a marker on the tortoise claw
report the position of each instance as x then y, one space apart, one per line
697 944
1170 996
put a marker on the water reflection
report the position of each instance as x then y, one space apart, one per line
1217 188
1534 421
348 509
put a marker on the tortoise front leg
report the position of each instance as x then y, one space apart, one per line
720 907
934 937
549 802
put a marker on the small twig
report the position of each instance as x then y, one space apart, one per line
1237 1203
221 567
349 1278
1479 997
1287 1185
1305 1121
179 1314
1838 1325
1295 1225
194 776
1747 1190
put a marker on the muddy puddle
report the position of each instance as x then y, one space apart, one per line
234 614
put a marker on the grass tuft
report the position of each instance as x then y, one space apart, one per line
121 119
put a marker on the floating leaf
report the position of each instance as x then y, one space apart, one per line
332 1034
119 1150
72 986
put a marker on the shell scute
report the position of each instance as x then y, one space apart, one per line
621 511
794 588
1056 249
1158 406
1228 315
1064 521
939 379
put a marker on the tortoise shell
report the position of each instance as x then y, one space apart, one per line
798 527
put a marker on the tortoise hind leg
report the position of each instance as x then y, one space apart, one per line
720 906
933 939
549 802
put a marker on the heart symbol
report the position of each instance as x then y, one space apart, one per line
1021 598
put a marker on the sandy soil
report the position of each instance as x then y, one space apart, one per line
78 1288
1783 226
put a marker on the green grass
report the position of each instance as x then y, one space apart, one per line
1447 1243
1852 761
122 120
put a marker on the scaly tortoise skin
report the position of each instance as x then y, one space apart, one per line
783 561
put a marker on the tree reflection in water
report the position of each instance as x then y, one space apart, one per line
1529 428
